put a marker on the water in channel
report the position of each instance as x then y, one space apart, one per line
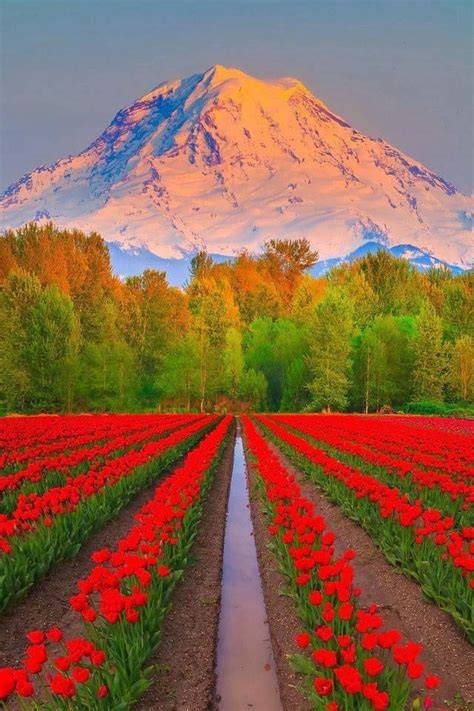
246 677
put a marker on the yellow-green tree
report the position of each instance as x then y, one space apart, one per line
429 375
329 359
461 369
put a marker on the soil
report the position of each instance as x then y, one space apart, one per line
184 679
282 618
447 652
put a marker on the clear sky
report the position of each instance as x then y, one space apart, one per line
398 69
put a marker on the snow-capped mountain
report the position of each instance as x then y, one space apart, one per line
226 161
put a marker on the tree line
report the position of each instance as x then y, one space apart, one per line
257 332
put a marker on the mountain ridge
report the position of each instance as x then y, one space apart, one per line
223 161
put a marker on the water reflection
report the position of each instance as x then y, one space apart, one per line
246 677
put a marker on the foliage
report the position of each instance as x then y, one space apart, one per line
383 354
440 409
253 389
461 374
430 356
329 358
258 332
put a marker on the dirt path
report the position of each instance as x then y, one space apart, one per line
185 659
447 651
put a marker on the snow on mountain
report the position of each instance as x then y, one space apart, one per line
226 161
420 259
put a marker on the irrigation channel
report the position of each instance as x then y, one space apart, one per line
246 676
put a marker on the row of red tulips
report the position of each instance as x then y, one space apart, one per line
351 661
423 542
455 425
93 450
19 433
427 447
67 436
415 445
452 496
122 601
52 526
102 472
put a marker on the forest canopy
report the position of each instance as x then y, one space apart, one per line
257 332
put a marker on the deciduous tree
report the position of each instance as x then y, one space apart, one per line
430 356
330 347
461 370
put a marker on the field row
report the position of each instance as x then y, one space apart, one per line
346 650
434 548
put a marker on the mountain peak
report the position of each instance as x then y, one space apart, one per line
225 160
220 76
219 73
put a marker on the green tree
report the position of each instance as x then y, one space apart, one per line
253 389
395 282
152 317
210 320
330 347
370 363
366 302
294 395
259 357
233 362
289 352
383 363
178 376
430 356
274 348
458 307
461 370
50 352
107 367
20 293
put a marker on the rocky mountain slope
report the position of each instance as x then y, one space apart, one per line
226 161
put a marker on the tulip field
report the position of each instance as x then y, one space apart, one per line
404 483
422 519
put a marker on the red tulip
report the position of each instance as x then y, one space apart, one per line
323 686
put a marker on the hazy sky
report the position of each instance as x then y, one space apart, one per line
398 69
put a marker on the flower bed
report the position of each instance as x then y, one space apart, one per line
348 659
423 542
47 528
451 493
122 601
91 449
66 433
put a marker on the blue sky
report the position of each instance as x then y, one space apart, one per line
399 69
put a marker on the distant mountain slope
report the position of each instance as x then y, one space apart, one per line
226 161
421 260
